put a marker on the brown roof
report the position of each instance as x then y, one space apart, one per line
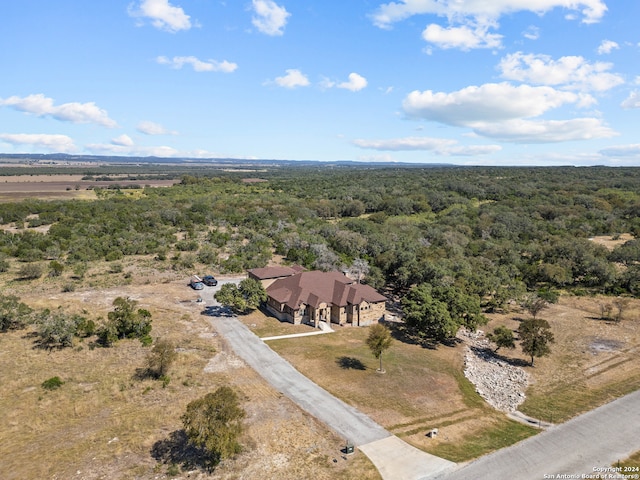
275 272
315 288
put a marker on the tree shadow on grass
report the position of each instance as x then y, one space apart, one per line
350 363
404 334
176 450
488 354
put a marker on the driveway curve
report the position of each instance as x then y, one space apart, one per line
394 459
348 422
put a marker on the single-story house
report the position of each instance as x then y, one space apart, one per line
315 296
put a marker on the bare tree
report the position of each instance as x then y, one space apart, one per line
359 269
621 304
605 311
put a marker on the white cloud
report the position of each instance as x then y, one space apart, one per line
465 37
356 82
571 72
163 15
123 140
407 143
439 146
53 143
389 13
607 46
631 150
152 128
632 101
503 111
197 64
531 33
545 131
489 102
294 78
269 18
42 106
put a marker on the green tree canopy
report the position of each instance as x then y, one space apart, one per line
502 337
214 424
378 341
535 337
245 297
125 321
438 312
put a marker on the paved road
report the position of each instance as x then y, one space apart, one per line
598 438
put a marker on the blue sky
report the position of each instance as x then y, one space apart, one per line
470 82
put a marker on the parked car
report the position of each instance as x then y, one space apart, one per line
196 283
209 280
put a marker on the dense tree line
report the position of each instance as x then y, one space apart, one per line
492 233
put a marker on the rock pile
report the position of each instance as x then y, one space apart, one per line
500 384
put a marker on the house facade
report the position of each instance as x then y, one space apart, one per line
315 296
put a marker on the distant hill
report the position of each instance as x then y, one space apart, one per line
62 158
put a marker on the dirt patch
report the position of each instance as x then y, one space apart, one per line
611 242
600 345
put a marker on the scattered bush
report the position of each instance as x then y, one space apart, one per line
52 383
126 322
30 271
13 313
160 359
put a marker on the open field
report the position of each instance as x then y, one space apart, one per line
105 423
105 420
592 362
62 187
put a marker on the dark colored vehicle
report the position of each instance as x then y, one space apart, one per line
209 280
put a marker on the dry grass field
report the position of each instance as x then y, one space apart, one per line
105 423
61 187
592 362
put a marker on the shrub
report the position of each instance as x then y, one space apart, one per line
160 359
13 313
214 424
52 383
57 329
55 269
30 271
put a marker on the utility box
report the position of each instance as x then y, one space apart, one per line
348 449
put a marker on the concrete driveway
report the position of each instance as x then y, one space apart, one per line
394 459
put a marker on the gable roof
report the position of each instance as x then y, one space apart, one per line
315 288
275 272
